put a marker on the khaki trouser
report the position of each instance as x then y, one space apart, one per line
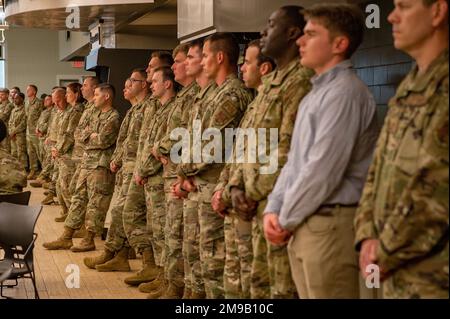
323 261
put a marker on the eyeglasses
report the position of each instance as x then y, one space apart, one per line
135 80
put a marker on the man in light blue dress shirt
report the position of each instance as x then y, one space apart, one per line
313 203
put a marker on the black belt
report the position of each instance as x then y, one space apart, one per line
327 209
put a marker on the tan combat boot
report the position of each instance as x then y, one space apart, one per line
31 175
36 183
148 272
80 233
187 293
48 200
62 218
198 295
148 287
46 185
131 254
172 292
105 256
118 263
63 242
86 244
158 292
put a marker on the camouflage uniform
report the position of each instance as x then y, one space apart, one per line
405 199
66 126
50 169
33 110
193 279
88 110
125 157
13 177
177 118
275 107
224 109
136 215
5 113
42 125
17 126
238 235
156 190
95 184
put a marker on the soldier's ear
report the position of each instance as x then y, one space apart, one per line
439 13
294 33
265 68
220 57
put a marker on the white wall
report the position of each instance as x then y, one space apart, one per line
32 56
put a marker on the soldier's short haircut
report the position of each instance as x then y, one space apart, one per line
141 72
183 48
34 87
4 90
340 19
106 87
294 16
95 80
21 95
261 57
197 43
15 88
226 43
3 131
59 90
43 96
164 56
75 87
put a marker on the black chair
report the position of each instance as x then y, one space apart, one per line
17 238
16 198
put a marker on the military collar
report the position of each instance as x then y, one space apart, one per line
230 77
203 91
415 82
167 104
186 89
276 78
32 101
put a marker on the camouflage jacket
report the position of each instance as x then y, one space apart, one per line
88 110
116 157
13 177
405 199
137 132
18 120
67 123
178 115
147 165
33 110
223 109
44 120
52 132
5 111
275 108
98 149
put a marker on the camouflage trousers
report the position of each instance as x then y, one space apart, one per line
47 161
75 176
33 151
116 238
53 177
238 257
193 278
6 144
91 199
137 216
212 242
271 273
155 197
173 233
41 151
66 169
19 149
427 278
